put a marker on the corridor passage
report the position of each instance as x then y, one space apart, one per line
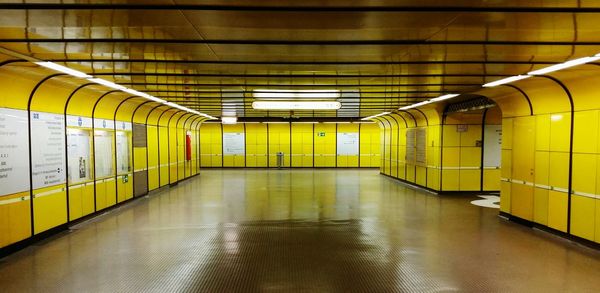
312 230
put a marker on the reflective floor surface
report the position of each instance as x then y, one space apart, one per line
312 230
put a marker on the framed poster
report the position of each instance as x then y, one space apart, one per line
347 143
79 155
103 153
14 151
123 153
48 158
234 143
492 146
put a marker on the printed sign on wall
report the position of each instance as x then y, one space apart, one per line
103 143
347 143
47 149
234 143
492 146
78 146
14 151
123 153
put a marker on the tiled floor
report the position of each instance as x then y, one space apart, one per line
321 230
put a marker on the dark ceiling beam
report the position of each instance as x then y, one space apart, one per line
306 42
284 62
332 86
315 9
342 99
313 92
227 75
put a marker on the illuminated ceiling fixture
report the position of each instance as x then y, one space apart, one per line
107 83
416 105
444 97
506 80
564 65
290 94
110 84
63 69
229 120
296 105
375 116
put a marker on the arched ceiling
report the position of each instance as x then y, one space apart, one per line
210 55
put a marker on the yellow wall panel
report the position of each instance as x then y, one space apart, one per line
559 166
583 214
560 131
49 208
557 210
521 198
584 173
505 197
585 134
540 206
15 218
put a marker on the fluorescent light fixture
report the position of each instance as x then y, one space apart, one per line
107 83
506 80
444 97
416 105
564 65
110 84
144 95
63 69
296 105
306 122
314 94
229 120
374 116
556 117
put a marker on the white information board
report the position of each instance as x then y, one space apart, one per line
347 143
234 143
14 151
79 154
103 153
79 121
492 146
123 157
48 156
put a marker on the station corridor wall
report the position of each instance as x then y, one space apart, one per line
550 153
303 144
126 145
444 153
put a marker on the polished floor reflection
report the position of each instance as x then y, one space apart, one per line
321 230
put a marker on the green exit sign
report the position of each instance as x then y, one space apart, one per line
321 133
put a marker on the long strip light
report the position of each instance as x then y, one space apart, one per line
545 70
375 116
296 105
63 69
229 120
110 84
416 105
288 94
444 97
506 80
564 65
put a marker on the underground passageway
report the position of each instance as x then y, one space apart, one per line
320 146
309 230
